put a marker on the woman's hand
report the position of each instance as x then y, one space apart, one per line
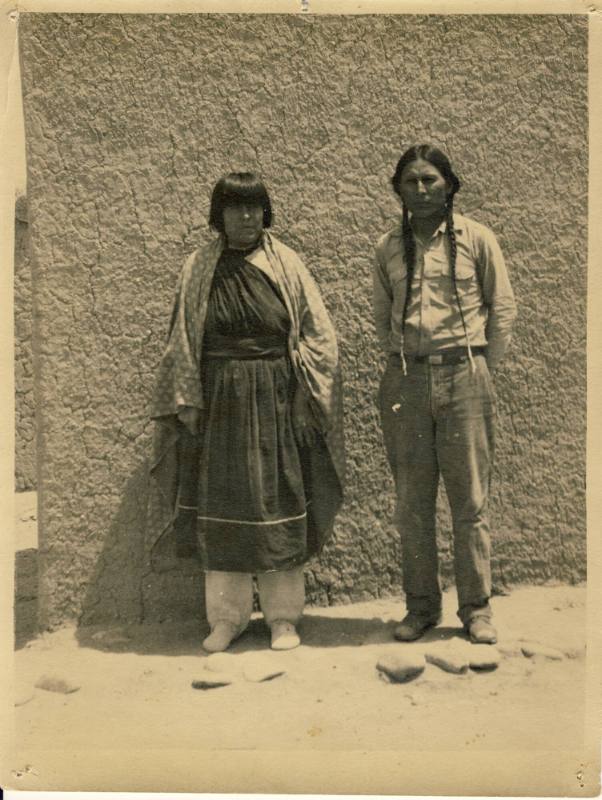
304 421
190 417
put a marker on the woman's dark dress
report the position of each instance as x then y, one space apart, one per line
252 506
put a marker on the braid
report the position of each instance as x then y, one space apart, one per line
441 162
453 248
453 252
409 252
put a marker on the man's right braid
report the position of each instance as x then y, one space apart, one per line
409 252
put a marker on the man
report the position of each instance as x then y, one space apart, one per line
443 310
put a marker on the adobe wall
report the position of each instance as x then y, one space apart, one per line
25 445
129 122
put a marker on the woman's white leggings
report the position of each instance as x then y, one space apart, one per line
229 596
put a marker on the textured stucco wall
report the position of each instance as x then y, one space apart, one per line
130 120
25 446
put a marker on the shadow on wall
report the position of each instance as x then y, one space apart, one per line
25 609
123 587
26 596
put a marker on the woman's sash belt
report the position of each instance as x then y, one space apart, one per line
219 346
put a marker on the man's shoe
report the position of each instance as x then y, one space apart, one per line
413 626
481 631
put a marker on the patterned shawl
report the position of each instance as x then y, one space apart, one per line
313 352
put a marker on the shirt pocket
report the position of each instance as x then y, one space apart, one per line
467 281
466 273
436 264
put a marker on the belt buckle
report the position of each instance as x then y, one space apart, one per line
436 359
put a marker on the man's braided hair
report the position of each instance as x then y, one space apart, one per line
440 161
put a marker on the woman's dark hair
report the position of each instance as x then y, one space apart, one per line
436 157
237 189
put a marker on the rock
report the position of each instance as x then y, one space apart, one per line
212 680
531 649
220 662
257 674
401 667
451 657
24 695
483 657
448 662
55 683
223 666
510 649
260 668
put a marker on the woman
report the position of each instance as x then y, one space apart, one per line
248 390
443 310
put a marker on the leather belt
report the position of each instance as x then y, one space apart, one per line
455 355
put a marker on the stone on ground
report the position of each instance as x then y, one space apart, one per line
220 662
449 656
483 657
212 680
401 667
532 649
56 683
510 648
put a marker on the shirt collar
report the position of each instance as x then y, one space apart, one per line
458 227
440 230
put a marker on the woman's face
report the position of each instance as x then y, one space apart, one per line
423 189
243 225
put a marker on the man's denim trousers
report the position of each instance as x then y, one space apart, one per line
439 419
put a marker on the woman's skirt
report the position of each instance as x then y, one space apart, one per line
251 502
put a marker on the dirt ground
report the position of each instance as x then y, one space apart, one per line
132 686
135 685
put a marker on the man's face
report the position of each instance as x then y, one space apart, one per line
423 189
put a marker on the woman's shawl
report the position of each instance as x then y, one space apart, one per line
313 351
